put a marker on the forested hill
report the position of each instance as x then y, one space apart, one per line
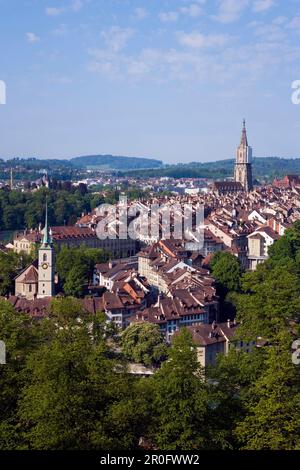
99 162
110 162
263 168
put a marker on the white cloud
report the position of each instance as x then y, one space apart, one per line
262 5
193 10
199 56
140 13
295 23
230 10
168 16
61 79
279 20
77 5
197 40
195 63
53 11
32 38
116 38
270 32
74 6
61 30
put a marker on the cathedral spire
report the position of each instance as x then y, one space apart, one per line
244 140
243 165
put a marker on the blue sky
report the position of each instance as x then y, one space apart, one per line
171 79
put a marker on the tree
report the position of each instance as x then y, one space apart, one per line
273 406
10 264
76 281
75 267
17 334
226 269
269 302
66 311
77 396
180 400
293 236
143 342
281 250
232 379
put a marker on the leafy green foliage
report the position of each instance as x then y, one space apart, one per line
226 269
66 203
143 343
75 267
16 332
180 399
273 407
268 307
63 387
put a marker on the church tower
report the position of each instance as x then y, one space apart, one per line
46 268
243 165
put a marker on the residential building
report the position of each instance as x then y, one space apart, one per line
217 338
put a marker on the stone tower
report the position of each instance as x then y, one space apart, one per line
243 165
46 268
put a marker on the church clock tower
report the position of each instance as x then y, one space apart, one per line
243 165
46 268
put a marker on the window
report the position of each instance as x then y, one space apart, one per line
44 257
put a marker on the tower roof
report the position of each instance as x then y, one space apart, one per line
244 140
47 239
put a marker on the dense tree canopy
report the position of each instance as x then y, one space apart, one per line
75 268
226 269
143 342
20 210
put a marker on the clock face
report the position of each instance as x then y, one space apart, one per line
45 265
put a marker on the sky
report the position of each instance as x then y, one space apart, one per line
166 79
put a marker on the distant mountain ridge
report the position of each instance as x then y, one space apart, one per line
263 168
99 162
111 162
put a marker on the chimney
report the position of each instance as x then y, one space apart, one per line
228 324
234 321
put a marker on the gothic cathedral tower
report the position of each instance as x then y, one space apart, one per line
46 269
243 165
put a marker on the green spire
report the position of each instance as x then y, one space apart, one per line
47 237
